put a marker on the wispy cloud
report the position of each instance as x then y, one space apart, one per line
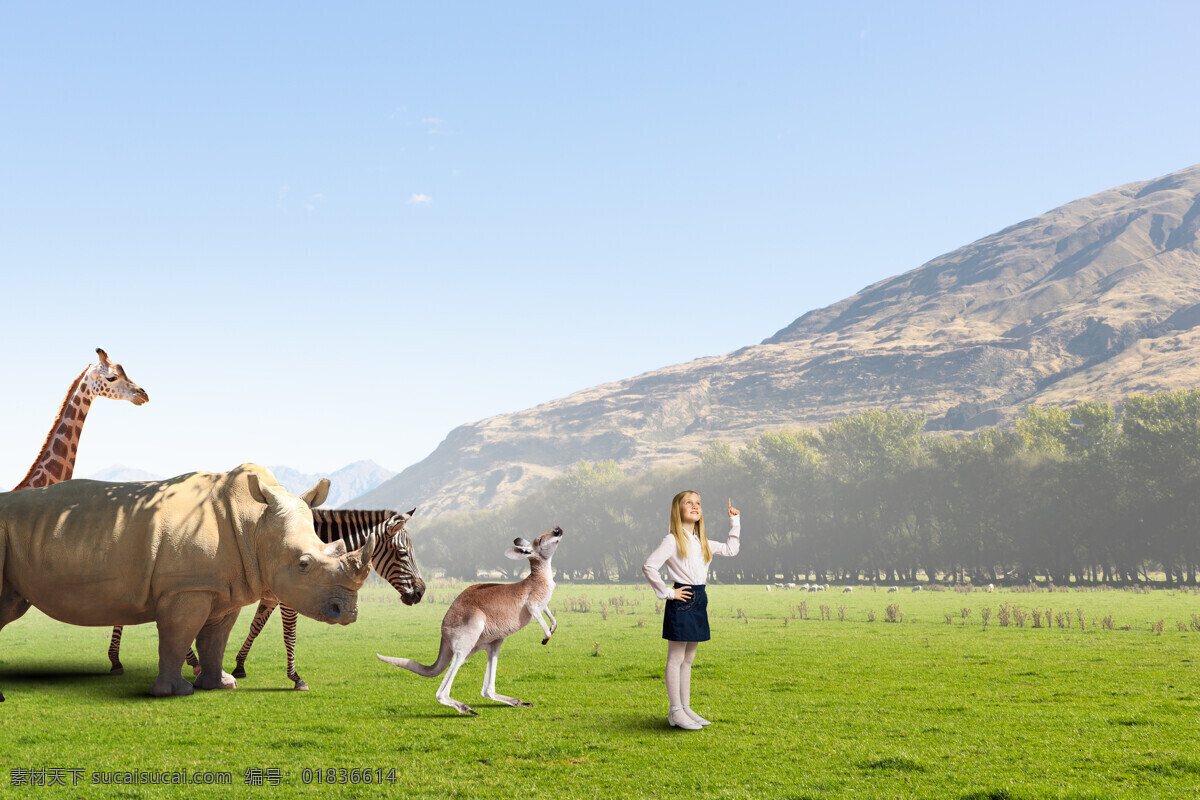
420 200
434 125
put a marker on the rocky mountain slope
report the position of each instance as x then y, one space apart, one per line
1097 299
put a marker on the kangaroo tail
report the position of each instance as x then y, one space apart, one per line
436 668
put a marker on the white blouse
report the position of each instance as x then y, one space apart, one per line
691 570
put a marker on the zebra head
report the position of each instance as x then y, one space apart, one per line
395 561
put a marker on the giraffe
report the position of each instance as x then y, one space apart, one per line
56 461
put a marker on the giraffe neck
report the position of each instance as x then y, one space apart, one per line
56 462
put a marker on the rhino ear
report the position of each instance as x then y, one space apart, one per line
364 557
262 492
336 549
359 561
317 494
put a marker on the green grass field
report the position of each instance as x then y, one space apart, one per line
801 708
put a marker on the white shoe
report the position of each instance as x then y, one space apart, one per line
699 720
679 719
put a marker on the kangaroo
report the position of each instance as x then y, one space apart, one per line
484 614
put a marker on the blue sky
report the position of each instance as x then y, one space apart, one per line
323 232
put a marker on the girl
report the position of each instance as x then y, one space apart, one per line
686 552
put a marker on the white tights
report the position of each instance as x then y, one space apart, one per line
679 672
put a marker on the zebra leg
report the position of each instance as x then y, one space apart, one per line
192 661
260 619
114 651
289 644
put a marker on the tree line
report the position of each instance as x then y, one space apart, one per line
1097 493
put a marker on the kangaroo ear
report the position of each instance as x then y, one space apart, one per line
517 553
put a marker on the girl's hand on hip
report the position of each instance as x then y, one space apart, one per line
683 593
733 512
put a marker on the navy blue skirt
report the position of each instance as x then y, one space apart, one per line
687 620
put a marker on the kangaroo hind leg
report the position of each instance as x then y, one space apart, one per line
489 677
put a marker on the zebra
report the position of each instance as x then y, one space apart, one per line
393 559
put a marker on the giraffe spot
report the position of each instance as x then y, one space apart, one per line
58 447
55 468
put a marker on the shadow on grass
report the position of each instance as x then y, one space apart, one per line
42 674
1175 768
894 764
72 681
133 685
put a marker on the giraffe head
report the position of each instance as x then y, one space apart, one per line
108 379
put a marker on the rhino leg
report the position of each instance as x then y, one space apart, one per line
210 644
12 606
180 618
6 616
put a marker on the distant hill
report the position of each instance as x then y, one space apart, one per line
1096 299
346 484
122 473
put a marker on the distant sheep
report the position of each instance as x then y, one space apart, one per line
990 588
916 588
893 589
848 590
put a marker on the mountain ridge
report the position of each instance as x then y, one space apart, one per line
346 483
1095 299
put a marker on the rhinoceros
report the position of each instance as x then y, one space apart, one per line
186 553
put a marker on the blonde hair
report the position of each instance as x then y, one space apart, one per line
681 536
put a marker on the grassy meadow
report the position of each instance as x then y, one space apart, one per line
802 708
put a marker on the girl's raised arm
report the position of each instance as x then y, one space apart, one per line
733 544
